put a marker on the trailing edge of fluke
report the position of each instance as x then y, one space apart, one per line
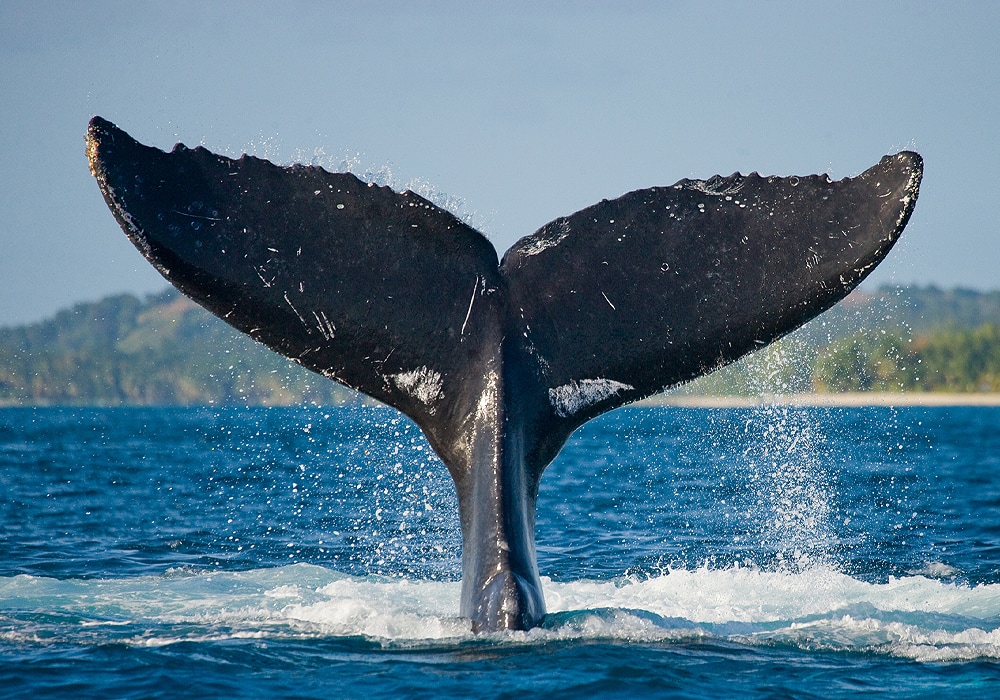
498 361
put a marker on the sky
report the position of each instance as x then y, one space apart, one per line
512 113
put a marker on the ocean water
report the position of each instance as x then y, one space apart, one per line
314 552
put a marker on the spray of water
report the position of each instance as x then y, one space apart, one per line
362 496
788 487
384 175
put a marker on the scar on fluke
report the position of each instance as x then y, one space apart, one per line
500 360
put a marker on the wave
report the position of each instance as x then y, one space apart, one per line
916 616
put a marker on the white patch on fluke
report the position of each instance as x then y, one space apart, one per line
717 186
570 399
422 384
907 199
534 246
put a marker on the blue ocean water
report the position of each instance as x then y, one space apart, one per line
314 552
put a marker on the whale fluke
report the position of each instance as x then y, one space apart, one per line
499 361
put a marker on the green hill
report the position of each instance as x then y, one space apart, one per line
165 349
893 339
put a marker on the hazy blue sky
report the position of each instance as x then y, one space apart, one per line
523 111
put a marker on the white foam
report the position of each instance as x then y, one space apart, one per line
384 609
749 595
912 617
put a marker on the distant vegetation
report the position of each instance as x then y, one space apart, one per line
164 349
161 350
946 359
912 339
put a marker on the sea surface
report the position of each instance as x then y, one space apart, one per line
314 552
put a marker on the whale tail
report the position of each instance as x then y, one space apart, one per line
499 361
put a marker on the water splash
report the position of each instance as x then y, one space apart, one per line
910 617
781 505
366 496
790 486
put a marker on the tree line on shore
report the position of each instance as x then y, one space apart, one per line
165 350
947 359
912 339
161 350
951 360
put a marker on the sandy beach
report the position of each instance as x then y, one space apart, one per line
815 399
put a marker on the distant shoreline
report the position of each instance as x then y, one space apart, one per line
847 399
828 399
